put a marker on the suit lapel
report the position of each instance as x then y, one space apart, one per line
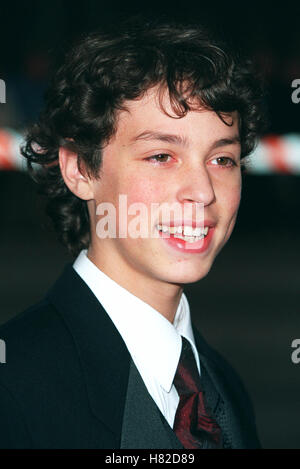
102 351
224 411
144 427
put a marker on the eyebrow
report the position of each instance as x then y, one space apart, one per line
182 141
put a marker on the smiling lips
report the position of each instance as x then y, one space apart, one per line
187 233
186 237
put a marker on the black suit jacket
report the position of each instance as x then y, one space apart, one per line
69 381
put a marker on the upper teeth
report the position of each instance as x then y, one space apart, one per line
185 230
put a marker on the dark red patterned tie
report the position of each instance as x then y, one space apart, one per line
193 425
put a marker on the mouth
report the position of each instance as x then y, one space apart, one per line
187 237
184 232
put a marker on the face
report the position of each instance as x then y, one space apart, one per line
154 158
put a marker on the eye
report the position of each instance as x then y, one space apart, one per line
224 161
160 158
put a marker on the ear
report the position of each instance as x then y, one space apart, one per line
77 182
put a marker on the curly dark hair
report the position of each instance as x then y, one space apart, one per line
102 72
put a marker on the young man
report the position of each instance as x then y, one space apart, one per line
140 146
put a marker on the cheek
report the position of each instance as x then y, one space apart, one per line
234 200
143 190
141 193
229 197
230 211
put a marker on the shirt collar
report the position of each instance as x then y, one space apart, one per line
152 341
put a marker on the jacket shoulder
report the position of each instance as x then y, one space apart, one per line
35 342
31 336
13 429
66 372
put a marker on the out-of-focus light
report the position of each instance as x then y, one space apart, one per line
274 154
10 156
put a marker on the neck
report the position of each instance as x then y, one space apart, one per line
162 296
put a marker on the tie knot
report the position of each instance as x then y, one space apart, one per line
187 380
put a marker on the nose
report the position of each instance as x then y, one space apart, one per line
196 186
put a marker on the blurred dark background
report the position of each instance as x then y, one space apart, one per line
247 307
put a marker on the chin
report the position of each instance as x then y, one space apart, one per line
191 275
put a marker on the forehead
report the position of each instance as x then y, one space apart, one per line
153 114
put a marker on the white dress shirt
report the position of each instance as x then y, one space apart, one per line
152 341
